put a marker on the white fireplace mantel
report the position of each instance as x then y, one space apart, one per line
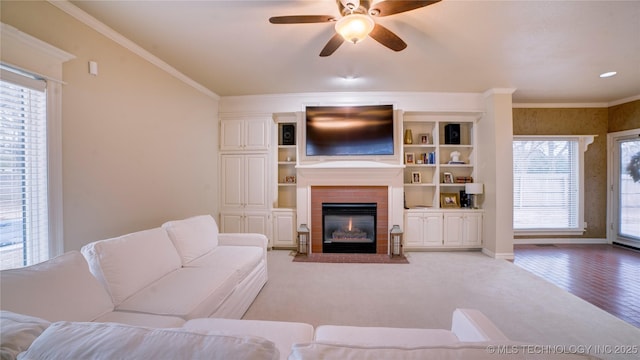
351 173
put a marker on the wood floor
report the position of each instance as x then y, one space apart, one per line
604 275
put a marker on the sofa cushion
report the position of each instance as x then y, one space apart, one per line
193 237
242 258
383 336
63 283
138 319
128 263
188 293
476 351
17 332
66 340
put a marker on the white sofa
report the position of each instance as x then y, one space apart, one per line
159 277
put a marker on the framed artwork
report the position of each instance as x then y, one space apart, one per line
409 158
447 178
449 200
424 139
416 178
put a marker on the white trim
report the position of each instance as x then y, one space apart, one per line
110 33
624 101
559 105
48 49
502 256
54 168
575 105
536 241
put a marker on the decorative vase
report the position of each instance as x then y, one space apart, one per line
408 137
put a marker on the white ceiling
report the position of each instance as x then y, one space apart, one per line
549 51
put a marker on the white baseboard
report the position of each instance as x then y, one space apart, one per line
536 241
503 256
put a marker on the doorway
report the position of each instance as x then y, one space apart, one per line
624 188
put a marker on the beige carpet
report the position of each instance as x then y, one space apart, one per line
425 292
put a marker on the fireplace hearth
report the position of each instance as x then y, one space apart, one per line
349 228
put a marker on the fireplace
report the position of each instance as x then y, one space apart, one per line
349 228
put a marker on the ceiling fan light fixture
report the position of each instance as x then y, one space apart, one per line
355 27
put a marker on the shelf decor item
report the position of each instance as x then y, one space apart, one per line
447 178
409 158
408 136
425 139
474 189
416 178
449 200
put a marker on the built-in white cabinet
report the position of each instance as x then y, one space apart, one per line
448 229
243 181
246 134
463 228
245 222
423 229
284 228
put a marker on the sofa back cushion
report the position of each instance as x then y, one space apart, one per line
193 237
66 340
61 288
130 262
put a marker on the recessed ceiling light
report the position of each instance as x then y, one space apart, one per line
608 74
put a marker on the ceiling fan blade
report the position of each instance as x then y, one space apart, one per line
390 7
387 38
333 45
301 19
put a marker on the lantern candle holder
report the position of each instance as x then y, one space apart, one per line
303 239
396 235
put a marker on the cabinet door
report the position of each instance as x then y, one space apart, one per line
256 180
256 135
433 230
256 222
232 186
453 229
472 230
231 137
414 230
284 231
232 222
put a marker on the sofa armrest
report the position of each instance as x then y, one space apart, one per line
243 239
471 325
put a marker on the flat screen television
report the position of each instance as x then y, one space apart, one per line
349 130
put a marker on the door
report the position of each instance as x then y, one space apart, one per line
625 187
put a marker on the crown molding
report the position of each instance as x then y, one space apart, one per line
110 33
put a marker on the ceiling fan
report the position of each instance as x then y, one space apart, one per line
357 22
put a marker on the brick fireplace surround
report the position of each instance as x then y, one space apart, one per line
351 194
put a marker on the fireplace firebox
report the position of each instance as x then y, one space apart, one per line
349 228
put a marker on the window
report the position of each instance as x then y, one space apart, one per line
23 171
548 185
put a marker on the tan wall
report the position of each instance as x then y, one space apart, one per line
139 146
624 117
580 121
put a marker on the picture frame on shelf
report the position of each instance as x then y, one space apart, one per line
447 178
416 178
409 158
425 139
449 200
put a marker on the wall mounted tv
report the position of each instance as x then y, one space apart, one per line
349 130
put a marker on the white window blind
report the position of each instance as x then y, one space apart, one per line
23 171
546 184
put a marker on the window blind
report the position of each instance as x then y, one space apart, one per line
546 184
23 170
